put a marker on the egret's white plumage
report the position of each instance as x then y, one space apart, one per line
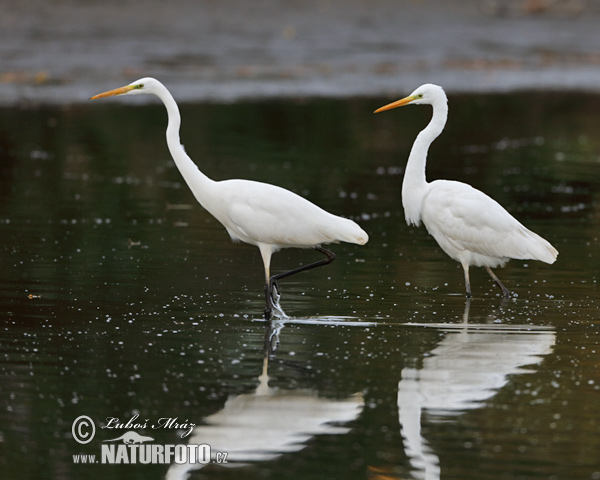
260 214
471 227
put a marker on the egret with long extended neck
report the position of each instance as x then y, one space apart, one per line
257 213
471 228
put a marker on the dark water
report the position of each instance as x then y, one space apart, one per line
120 297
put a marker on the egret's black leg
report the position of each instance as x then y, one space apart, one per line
268 304
272 289
330 258
505 291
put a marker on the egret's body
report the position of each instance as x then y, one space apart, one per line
257 213
469 226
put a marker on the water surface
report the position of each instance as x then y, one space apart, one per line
120 296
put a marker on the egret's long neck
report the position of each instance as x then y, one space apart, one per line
414 185
196 180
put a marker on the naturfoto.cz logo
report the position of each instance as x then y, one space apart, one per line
133 448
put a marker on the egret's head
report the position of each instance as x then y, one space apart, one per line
142 86
426 94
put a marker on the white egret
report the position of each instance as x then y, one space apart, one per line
260 214
471 228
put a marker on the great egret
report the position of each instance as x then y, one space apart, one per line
471 228
260 214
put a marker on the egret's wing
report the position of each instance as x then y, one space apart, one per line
261 217
263 213
470 220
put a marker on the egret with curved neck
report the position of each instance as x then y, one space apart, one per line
469 226
260 214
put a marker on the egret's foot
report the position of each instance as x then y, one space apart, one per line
275 297
505 291
273 308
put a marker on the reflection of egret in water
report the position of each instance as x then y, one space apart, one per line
264 424
467 368
275 326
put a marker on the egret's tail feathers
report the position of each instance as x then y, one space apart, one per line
360 238
541 249
353 234
549 254
339 229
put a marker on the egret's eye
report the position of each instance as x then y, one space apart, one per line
139 86
420 95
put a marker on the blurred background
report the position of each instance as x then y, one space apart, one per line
65 50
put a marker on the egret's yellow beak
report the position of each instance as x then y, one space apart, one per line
397 103
112 93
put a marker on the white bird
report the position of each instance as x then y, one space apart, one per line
471 227
260 214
